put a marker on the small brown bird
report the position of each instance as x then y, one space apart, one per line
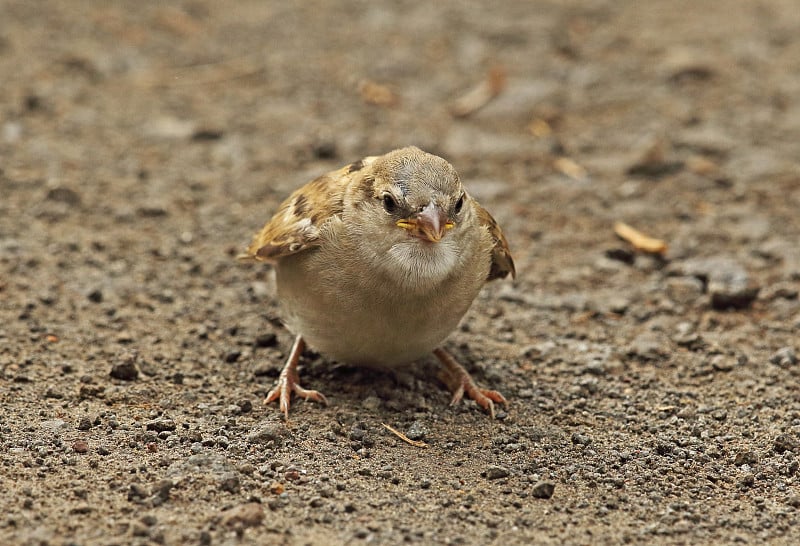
377 262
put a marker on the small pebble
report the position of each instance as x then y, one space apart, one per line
266 369
162 489
719 415
243 516
786 442
543 490
623 255
125 370
266 340
495 472
82 508
371 403
746 457
95 295
722 363
151 210
648 346
207 134
161 424
731 287
684 290
64 195
139 530
136 492
269 432
85 423
230 483
416 431
53 425
581 439
232 356
784 357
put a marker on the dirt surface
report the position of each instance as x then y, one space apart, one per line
142 144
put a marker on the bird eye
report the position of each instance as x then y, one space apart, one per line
459 203
389 204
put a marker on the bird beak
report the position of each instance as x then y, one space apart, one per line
429 224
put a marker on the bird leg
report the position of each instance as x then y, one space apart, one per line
460 382
289 381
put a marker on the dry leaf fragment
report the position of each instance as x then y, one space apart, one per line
702 166
480 95
540 128
639 240
403 437
377 94
570 168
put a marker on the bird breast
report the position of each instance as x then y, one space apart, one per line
383 316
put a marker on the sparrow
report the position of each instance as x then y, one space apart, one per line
376 263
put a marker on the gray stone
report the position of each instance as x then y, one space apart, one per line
731 289
784 357
125 369
268 432
684 290
495 472
416 431
543 490
161 424
649 346
727 282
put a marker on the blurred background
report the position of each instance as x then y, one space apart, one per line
204 114
143 143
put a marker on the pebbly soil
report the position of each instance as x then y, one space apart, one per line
141 145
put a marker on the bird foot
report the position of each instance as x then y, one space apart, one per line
289 382
460 383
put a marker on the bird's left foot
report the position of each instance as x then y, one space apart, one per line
460 382
289 382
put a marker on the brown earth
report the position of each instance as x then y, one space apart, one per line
141 144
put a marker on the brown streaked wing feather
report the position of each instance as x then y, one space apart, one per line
295 227
502 263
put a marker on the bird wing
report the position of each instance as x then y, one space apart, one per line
295 227
502 263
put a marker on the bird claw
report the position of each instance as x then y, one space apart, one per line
461 383
289 382
485 398
284 389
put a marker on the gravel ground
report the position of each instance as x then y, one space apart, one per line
653 399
